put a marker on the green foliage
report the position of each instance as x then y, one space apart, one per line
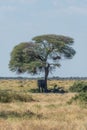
79 98
56 45
32 57
21 61
82 97
54 39
79 87
9 96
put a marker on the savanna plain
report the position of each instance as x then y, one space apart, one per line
22 107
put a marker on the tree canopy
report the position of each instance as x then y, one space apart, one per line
43 53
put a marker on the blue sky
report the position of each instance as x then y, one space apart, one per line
20 20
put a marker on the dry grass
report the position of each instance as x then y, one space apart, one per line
48 111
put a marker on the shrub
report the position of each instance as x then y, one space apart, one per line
80 98
78 87
81 88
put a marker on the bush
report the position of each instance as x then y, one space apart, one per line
9 96
78 87
81 88
80 98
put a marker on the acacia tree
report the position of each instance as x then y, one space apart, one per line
43 54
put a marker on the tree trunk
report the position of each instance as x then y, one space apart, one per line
46 76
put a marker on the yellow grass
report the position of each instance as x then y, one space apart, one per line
48 111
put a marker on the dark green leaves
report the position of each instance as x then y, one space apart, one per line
34 56
54 39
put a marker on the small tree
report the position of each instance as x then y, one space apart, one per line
41 55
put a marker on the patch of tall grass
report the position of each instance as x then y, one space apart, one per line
12 96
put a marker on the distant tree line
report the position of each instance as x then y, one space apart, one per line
50 78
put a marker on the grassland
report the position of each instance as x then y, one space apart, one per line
43 111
